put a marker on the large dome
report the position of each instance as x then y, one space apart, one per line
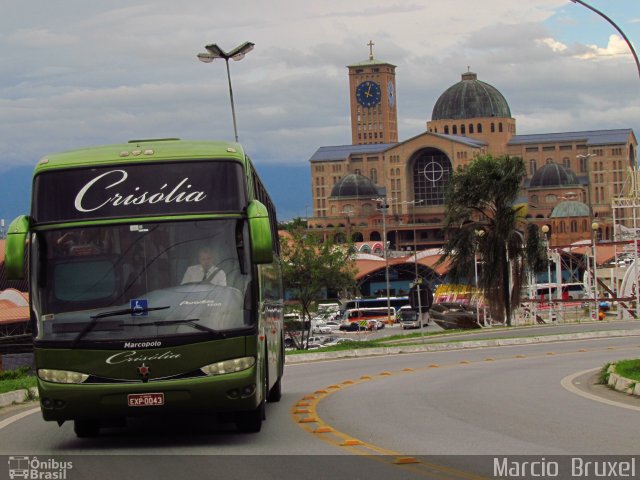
553 175
470 98
354 185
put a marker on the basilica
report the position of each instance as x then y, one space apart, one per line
380 185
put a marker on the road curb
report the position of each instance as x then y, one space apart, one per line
622 384
18 396
453 345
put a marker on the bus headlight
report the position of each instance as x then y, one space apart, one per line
61 376
229 366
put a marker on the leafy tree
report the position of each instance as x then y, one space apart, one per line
481 216
310 265
293 224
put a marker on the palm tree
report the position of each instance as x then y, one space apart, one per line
482 218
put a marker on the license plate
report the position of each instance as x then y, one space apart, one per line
145 399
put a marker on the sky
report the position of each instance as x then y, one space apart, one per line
77 73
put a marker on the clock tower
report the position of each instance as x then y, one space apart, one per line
372 92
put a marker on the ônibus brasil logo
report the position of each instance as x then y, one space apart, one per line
35 468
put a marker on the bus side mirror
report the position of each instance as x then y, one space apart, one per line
260 233
15 248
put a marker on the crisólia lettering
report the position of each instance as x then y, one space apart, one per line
181 192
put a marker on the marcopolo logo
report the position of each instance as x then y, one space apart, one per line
38 469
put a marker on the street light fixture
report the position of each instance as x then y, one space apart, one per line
237 54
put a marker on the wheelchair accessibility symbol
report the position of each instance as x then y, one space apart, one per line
139 308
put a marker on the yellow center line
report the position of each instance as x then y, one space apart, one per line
308 419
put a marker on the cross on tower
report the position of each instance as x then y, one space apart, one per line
371 44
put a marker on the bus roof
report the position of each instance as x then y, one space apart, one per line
151 150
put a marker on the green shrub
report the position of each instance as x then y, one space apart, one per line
603 376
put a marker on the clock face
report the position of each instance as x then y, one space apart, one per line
391 94
368 93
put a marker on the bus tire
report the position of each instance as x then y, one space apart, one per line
86 428
251 421
275 394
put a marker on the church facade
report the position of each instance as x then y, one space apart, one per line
572 177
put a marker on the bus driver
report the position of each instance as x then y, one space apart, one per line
205 271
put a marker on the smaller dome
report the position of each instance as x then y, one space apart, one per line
553 175
354 185
570 208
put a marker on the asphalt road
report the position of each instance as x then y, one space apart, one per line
427 415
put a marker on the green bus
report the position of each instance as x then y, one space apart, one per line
155 283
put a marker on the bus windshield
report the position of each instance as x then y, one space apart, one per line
141 280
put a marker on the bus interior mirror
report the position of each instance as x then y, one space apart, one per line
15 248
260 232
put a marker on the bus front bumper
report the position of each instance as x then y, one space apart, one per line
216 394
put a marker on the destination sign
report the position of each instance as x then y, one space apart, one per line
138 190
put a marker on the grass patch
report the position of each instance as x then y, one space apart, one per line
629 369
18 379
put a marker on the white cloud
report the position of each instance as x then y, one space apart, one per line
101 72
616 46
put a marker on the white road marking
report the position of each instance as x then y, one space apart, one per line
8 421
567 383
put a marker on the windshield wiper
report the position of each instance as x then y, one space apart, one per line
189 321
112 313
126 311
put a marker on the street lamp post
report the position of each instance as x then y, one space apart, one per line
479 234
384 206
545 229
594 240
237 54
629 44
417 281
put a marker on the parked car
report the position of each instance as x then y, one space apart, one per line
333 325
338 341
317 342
411 319
352 327
450 315
321 328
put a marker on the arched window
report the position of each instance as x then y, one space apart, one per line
533 166
463 130
500 127
431 172
455 130
373 175
471 128
493 127
479 128
446 129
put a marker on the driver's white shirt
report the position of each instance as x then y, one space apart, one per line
196 273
